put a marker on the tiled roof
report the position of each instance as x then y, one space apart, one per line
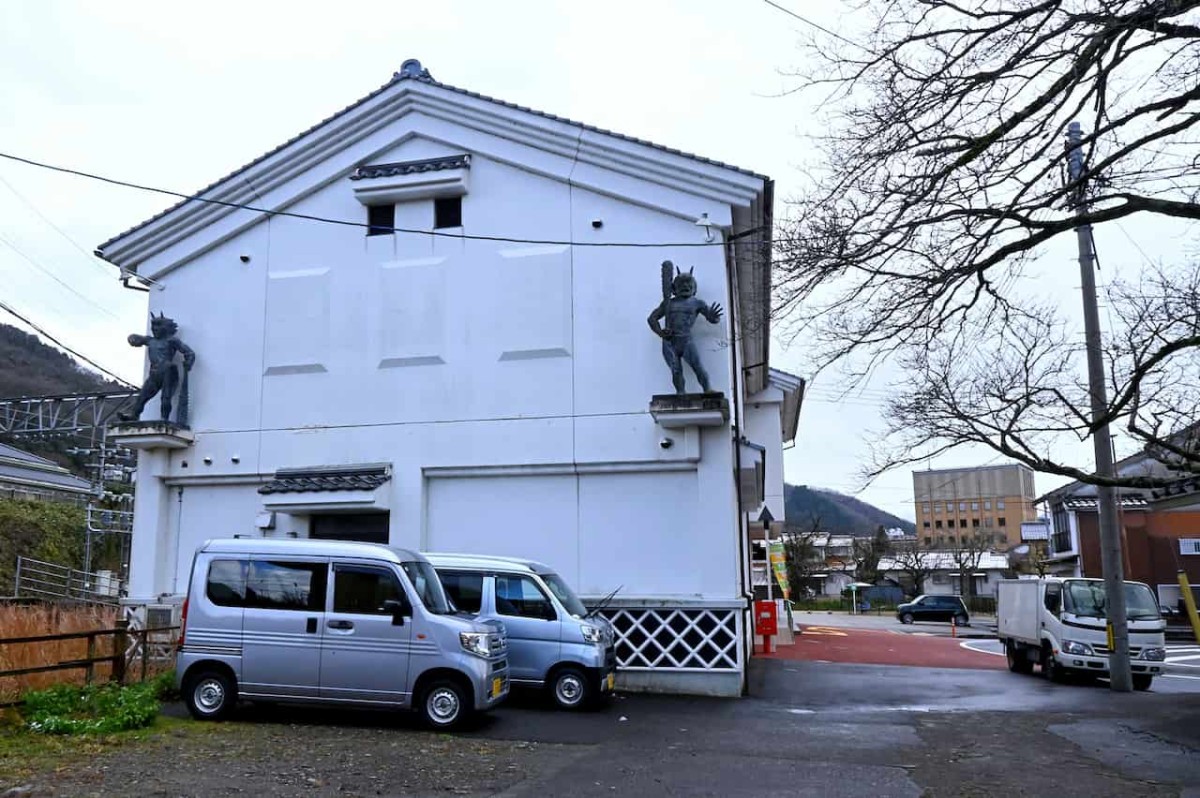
321 480
1180 487
411 167
1089 502
423 76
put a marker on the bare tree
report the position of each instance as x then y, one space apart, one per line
967 552
867 552
800 546
942 176
1033 561
916 562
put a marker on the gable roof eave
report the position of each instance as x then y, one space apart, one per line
604 149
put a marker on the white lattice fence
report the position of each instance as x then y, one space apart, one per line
666 638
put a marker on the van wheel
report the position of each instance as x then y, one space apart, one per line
571 689
1141 681
445 704
906 618
961 620
1017 661
210 695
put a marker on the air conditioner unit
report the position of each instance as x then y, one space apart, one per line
161 616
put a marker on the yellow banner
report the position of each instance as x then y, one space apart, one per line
779 565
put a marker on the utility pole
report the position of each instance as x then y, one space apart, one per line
1111 559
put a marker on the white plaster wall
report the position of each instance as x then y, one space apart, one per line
763 427
329 347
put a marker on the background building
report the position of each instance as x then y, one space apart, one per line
988 502
27 476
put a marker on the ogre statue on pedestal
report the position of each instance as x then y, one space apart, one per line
680 307
161 348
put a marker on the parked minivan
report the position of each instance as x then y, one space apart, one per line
332 622
553 641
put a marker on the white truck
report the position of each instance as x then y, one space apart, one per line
1062 625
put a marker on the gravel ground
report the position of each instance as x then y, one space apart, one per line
285 752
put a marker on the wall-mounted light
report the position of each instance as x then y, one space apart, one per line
707 224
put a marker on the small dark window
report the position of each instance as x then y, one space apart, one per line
926 525
1002 521
362 590
975 522
381 220
275 585
465 589
928 540
937 524
447 212
227 582
963 523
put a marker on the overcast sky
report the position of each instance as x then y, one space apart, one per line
176 95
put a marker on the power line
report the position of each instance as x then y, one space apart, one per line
348 223
90 257
61 345
810 23
56 278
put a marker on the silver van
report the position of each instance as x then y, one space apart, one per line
332 622
553 641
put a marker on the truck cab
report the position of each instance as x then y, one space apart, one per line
1062 624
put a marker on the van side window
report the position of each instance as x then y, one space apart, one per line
362 590
279 585
520 596
227 582
464 588
1053 598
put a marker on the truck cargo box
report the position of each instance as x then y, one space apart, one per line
1017 609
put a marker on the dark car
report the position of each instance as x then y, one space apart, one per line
934 608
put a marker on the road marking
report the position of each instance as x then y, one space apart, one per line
969 645
1182 659
1179 676
823 630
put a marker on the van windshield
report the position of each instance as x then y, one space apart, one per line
565 595
428 587
1087 599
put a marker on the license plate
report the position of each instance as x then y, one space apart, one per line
497 686
612 680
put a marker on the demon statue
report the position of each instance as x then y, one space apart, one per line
680 307
161 348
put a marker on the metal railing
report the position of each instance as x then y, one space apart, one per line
50 581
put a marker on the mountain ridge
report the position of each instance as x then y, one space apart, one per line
839 514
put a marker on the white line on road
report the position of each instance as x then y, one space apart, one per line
971 645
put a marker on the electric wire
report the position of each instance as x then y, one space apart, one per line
717 242
56 278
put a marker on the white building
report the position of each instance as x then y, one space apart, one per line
479 380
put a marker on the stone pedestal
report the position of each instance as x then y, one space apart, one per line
147 435
677 410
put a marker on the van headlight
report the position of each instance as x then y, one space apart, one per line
591 634
477 643
1078 649
1153 654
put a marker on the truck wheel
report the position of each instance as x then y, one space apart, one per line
209 695
1017 661
1141 681
571 689
1050 667
906 618
445 704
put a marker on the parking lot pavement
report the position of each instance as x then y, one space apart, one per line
883 647
829 729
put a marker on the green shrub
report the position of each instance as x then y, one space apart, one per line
96 709
164 686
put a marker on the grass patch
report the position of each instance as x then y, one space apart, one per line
25 754
95 709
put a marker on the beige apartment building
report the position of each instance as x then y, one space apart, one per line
987 501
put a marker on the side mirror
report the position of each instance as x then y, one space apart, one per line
398 609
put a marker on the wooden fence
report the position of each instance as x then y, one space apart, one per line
118 657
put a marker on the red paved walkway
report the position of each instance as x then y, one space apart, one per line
883 648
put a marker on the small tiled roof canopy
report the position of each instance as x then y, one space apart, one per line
320 480
411 167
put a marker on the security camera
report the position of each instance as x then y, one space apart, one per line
666 443
208 461
244 258
597 224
